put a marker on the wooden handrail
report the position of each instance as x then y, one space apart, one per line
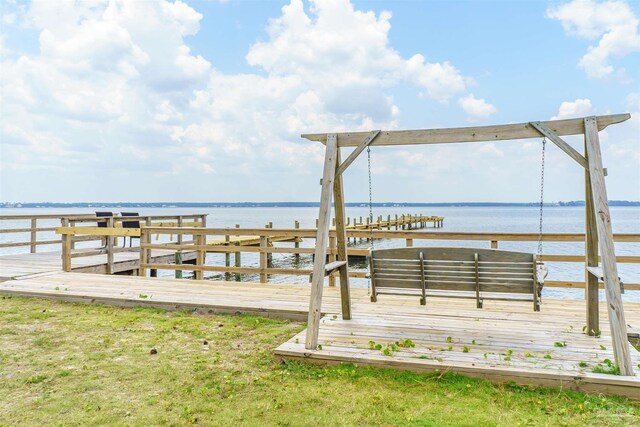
266 249
390 234
73 219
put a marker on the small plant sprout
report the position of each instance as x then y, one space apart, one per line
465 349
319 346
602 347
560 344
583 364
143 296
450 348
449 339
527 354
406 343
372 344
547 356
606 367
473 342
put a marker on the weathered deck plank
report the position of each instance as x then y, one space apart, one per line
24 265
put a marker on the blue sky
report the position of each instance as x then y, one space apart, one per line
205 100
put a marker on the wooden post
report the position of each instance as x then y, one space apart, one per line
227 256
263 258
178 258
180 226
494 244
615 307
145 239
341 241
409 243
34 226
66 247
73 240
296 225
201 255
110 241
333 246
238 257
322 237
591 257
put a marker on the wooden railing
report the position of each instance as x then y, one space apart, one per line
32 224
113 229
266 247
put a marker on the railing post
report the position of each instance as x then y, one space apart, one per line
179 226
201 255
227 256
333 247
409 243
178 259
34 226
66 247
296 225
263 259
494 244
144 258
238 256
73 240
109 266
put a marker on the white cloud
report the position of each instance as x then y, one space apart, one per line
335 46
612 22
476 108
115 88
572 109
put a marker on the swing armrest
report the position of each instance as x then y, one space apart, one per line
330 268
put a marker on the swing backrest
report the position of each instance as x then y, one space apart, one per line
461 272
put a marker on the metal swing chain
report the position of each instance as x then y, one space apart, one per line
544 144
370 214
370 198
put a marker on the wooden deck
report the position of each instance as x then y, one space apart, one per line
21 265
519 344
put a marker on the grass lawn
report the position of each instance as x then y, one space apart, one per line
74 364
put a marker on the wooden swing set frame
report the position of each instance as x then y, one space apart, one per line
597 225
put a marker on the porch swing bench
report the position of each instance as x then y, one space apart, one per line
480 274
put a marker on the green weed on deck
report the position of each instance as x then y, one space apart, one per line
73 364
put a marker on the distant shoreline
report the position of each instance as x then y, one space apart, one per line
31 205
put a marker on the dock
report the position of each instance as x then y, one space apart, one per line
503 342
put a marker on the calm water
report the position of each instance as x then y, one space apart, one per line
499 219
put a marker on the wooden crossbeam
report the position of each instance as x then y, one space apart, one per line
359 149
561 143
468 134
